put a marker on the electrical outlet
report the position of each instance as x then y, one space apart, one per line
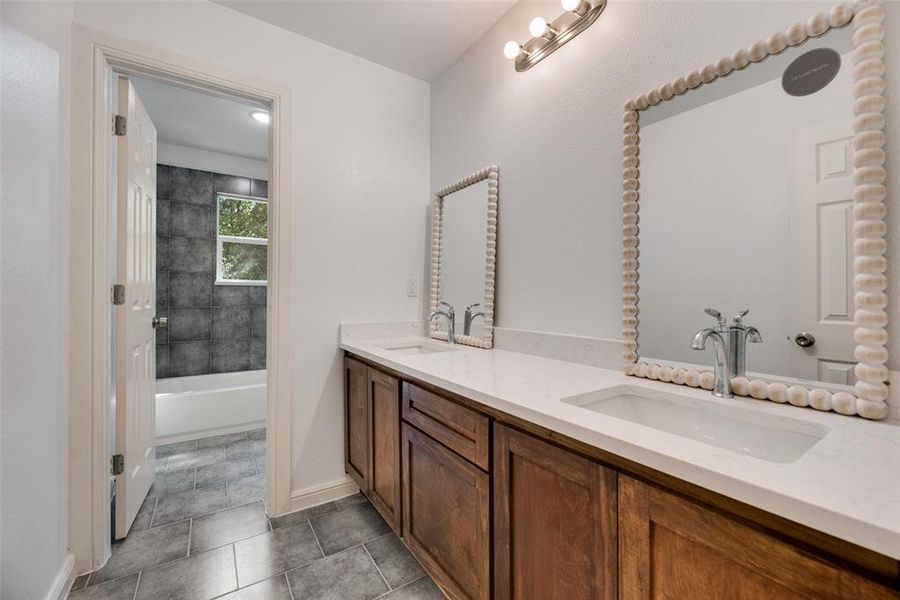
412 288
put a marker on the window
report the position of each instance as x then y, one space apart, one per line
242 233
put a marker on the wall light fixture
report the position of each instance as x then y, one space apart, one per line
548 37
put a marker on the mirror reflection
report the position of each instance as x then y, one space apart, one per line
463 257
746 203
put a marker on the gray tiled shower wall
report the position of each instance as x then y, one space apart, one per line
212 328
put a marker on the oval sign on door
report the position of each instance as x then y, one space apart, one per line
810 72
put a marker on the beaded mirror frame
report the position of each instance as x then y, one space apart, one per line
870 228
492 175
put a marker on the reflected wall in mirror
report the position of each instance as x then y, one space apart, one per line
760 183
464 250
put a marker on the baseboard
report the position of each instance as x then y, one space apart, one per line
64 579
320 494
196 435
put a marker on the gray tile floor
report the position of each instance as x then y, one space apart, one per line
203 533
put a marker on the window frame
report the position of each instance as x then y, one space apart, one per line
220 239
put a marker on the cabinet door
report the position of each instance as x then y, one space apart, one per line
384 414
446 504
554 522
672 548
356 422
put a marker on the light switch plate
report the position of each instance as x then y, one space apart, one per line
412 288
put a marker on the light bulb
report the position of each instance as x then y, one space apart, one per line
570 5
511 49
260 116
537 27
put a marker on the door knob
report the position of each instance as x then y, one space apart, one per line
804 339
160 322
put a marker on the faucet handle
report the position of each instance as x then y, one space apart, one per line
449 307
739 316
716 315
471 306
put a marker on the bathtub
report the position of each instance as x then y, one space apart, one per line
200 406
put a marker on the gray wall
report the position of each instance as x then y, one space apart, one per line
212 328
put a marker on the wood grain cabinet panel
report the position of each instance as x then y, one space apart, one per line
446 516
356 422
554 522
384 426
672 548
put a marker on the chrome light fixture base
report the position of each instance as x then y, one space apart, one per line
567 26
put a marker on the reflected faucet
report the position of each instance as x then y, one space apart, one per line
722 383
738 336
451 322
469 317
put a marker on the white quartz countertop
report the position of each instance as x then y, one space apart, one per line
847 485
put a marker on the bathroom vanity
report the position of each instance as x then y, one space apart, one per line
505 482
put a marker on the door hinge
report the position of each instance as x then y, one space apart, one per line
120 125
118 294
118 464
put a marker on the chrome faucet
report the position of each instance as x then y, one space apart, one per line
722 383
469 317
738 336
451 322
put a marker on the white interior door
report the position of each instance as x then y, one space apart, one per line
136 269
822 252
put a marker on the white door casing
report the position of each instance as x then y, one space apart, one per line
822 252
135 336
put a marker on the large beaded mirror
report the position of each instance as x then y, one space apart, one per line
758 182
464 259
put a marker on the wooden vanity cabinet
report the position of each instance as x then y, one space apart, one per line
670 547
554 522
372 437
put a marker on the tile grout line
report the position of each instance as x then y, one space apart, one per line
288 580
137 585
377 568
315 535
407 584
237 577
190 533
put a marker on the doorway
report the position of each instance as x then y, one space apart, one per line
94 389
188 412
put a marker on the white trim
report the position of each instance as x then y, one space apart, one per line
319 494
492 174
93 53
208 433
64 579
869 176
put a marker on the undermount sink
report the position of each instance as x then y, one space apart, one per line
418 347
761 435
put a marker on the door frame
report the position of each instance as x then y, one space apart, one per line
95 54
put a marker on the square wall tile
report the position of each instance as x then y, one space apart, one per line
257 353
192 254
231 184
162 361
163 215
230 323
257 295
192 220
162 254
230 355
162 290
189 324
188 358
258 322
231 295
163 181
259 188
190 289
191 185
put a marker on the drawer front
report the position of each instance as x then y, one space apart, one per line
462 430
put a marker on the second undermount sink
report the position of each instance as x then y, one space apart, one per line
752 433
417 347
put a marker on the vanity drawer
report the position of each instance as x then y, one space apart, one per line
461 429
